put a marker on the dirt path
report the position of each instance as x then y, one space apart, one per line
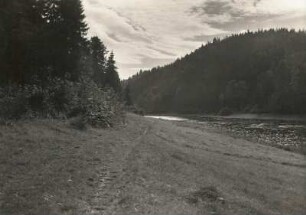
148 166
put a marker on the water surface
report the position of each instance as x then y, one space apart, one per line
169 118
286 132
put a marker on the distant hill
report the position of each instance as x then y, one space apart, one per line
262 72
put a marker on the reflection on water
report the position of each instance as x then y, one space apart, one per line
170 118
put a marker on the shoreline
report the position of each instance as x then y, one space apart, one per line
246 116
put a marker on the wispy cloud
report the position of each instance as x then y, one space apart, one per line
256 2
216 7
148 33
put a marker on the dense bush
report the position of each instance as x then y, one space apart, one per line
62 99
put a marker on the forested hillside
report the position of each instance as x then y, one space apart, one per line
49 67
262 72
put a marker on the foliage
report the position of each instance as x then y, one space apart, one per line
111 74
98 57
47 39
100 107
62 99
262 71
48 68
127 96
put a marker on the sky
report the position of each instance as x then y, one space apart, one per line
147 33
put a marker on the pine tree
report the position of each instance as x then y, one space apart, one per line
19 24
111 76
65 32
4 41
74 29
46 38
98 57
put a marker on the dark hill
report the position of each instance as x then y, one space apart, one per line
262 71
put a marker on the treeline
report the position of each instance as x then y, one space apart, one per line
44 49
258 72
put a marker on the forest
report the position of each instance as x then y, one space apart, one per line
50 67
251 72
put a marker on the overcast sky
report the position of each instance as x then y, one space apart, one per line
148 33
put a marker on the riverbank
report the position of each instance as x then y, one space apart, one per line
287 133
148 166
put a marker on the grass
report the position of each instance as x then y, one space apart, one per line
45 167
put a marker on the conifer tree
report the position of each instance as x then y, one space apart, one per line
65 29
19 22
111 76
98 57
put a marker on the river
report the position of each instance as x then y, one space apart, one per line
286 132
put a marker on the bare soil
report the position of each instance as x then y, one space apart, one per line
148 166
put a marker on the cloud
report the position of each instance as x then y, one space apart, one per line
256 2
114 37
135 26
249 21
161 51
204 38
239 15
213 7
148 33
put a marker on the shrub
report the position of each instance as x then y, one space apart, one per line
100 107
12 102
62 99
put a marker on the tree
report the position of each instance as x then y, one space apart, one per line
235 94
41 38
4 41
98 60
65 32
127 96
267 68
111 77
19 24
